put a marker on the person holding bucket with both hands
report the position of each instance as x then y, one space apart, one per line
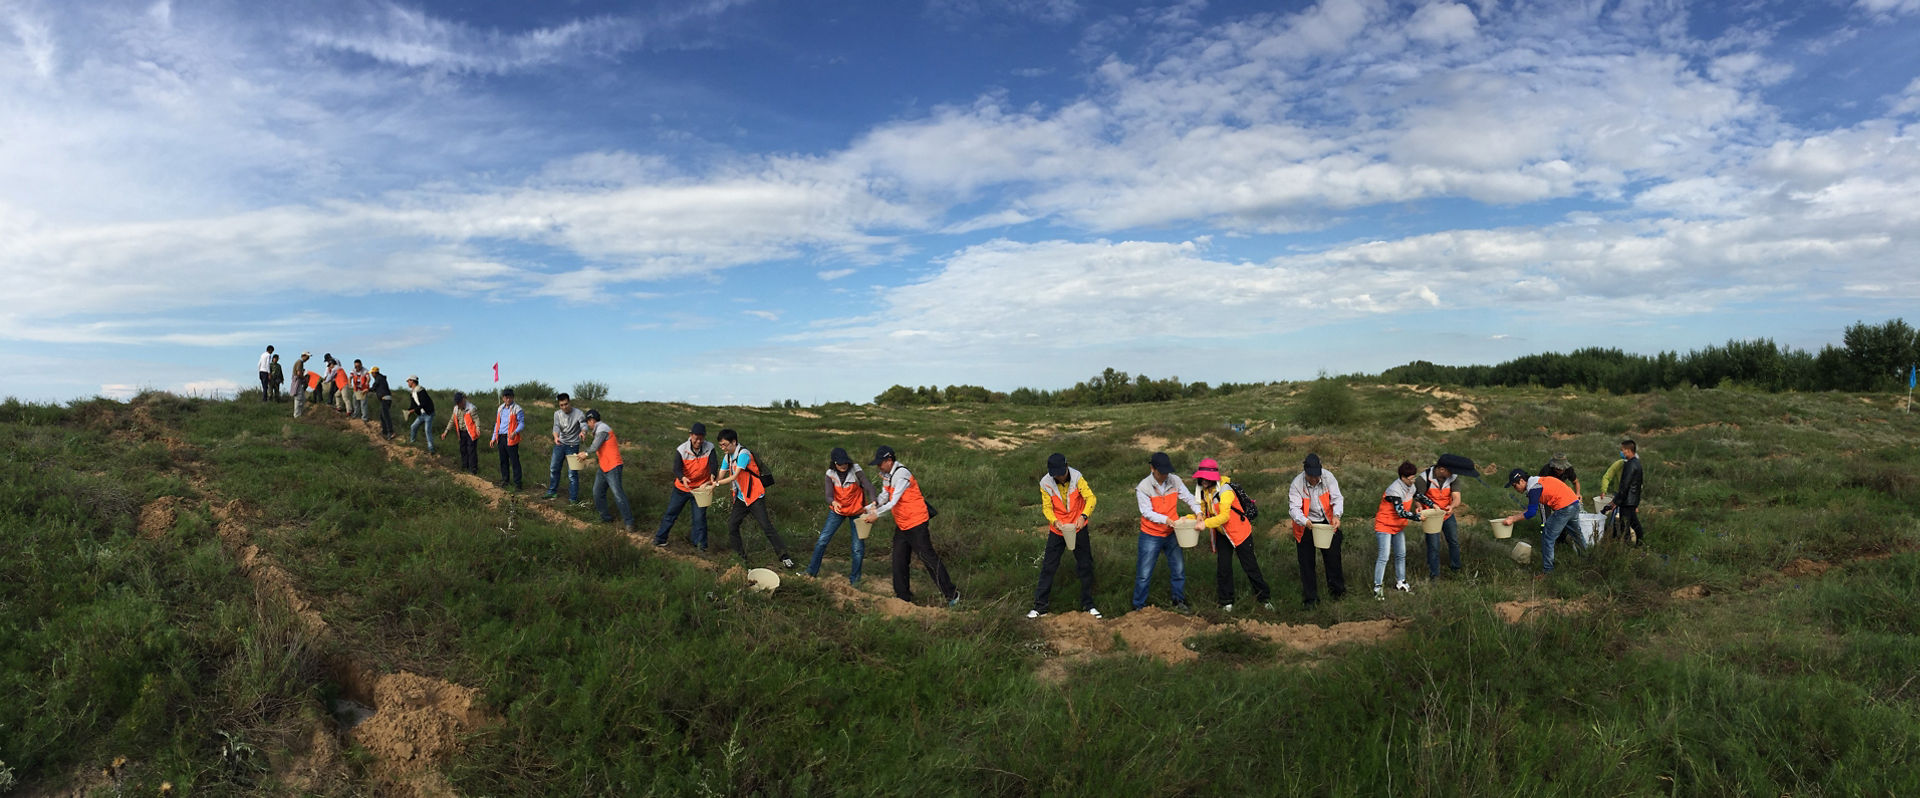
1396 509
912 520
1231 529
1067 501
1314 500
847 493
1438 489
694 469
1158 497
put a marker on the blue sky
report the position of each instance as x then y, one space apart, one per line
745 200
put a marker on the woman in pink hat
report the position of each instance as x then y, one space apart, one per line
1232 534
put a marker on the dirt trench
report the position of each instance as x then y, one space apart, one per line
1077 637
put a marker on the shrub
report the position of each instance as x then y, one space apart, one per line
1328 403
589 391
531 389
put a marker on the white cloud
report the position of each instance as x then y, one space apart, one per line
834 274
1442 23
216 387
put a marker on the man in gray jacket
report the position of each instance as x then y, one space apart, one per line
567 423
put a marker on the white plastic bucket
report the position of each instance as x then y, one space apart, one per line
1501 529
1593 526
576 463
1601 501
861 526
703 496
763 579
1186 532
1522 552
1322 536
1433 520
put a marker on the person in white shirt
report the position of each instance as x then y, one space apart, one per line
1314 498
266 375
1158 497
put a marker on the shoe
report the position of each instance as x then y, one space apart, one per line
1182 608
955 600
1034 613
1095 612
787 562
1378 594
550 496
629 529
606 520
1308 605
661 544
1403 587
1226 607
1268 605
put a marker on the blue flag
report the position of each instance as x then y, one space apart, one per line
1913 374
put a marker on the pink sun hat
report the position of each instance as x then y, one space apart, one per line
1208 470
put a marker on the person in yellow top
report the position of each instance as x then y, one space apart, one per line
1067 501
1232 534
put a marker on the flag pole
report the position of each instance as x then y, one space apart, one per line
1913 375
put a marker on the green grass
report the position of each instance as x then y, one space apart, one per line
613 671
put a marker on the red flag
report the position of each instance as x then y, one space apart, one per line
496 371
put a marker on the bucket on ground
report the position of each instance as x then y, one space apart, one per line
763 579
1501 529
1186 531
1322 536
861 526
1593 526
1522 552
1433 520
703 496
576 463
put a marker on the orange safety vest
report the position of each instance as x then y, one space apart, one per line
848 498
1169 506
470 425
747 486
339 378
609 453
1068 510
911 511
1384 519
1306 511
362 381
1238 528
313 380
513 436
1553 493
689 466
1442 497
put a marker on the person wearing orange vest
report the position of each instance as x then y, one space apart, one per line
847 493
605 452
362 382
1314 498
463 419
338 394
1067 501
912 525
1438 488
1397 507
749 497
508 422
1158 497
1562 510
694 464
1231 535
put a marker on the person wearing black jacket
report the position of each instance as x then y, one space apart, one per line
385 393
420 409
1626 499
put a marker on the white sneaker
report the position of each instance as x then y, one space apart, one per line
1034 613
1226 608
1378 594
1095 613
1403 587
1269 606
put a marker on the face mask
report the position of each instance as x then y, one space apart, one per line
1623 455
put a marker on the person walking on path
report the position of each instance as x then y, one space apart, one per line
749 497
1231 535
1396 509
275 379
694 464
605 452
303 383
1314 498
508 422
266 375
385 394
1438 488
420 409
464 419
1562 510
912 527
847 493
568 421
1067 501
1158 496
1627 499
361 382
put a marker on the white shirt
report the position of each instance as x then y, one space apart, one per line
1300 490
896 486
1149 488
266 361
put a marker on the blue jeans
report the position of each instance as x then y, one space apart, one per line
560 453
1149 551
676 500
1397 544
359 407
419 422
610 478
1451 531
834 520
1550 532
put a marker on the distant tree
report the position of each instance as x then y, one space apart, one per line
897 395
1328 403
589 391
1881 353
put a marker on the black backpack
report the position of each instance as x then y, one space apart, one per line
761 471
1249 509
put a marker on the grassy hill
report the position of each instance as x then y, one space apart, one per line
212 596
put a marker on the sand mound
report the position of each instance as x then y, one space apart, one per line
1467 417
1517 611
1154 632
418 722
1308 637
987 444
158 516
1691 592
1151 443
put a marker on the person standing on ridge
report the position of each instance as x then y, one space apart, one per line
847 493
1314 498
303 383
341 381
361 382
605 452
694 464
1158 496
467 422
1231 535
912 527
508 422
568 421
266 375
749 497
275 379
420 408
1067 501
379 389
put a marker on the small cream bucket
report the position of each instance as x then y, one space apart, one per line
1071 532
703 496
1187 532
1433 520
763 579
1322 536
1501 529
576 463
861 526
1522 552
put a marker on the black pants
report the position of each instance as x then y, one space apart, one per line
917 541
758 510
1050 562
469 453
1630 523
266 386
510 458
1224 552
1329 557
386 428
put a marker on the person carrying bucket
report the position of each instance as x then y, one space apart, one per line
1396 509
1314 499
1562 509
604 450
1067 501
1231 535
749 497
1438 488
912 524
1158 496
463 419
848 493
694 469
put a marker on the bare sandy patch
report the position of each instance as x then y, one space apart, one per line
1151 443
1078 637
1691 592
1517 611
987 444
1467 417
158 516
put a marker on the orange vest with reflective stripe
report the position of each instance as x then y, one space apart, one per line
689 466
1384 519
1066 511
501 423
470 425
749 488
1169 506
1306 510
609 452
1554 493
362 381
1442 497
1238 528
848 498
911 511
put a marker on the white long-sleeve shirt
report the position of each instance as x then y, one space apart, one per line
1300 490
896 481
1149 487
266 361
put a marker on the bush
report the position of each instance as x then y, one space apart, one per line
589 391
531 389
1328 403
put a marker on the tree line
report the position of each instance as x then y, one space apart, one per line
1110 387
